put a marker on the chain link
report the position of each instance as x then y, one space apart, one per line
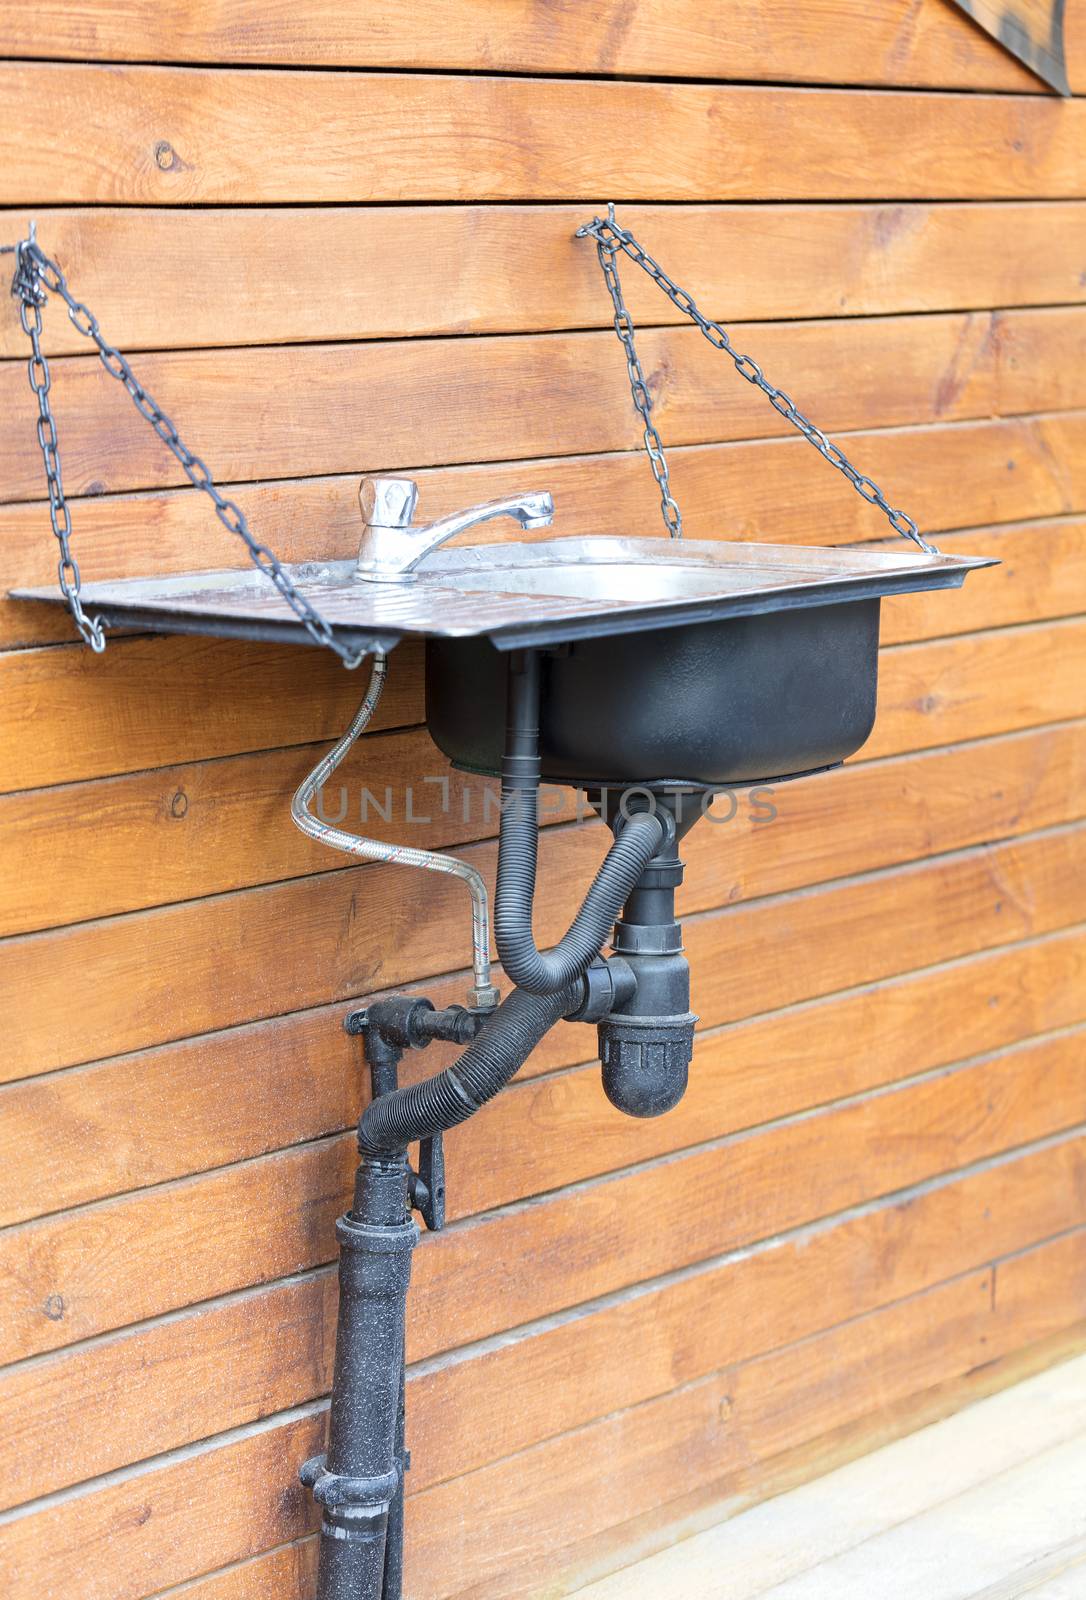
642 400
36 275
610 239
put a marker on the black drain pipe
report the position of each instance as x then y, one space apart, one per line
359 1479
635 846
646 1041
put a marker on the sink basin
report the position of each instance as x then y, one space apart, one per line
714 703
700 662
632 582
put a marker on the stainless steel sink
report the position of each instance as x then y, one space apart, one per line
543 592
700 661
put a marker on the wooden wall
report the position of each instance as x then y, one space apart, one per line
338 238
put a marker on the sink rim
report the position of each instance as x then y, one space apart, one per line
713 554
779 567
240 603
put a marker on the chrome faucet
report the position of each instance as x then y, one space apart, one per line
392 548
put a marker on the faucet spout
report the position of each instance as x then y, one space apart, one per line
392 548
532 510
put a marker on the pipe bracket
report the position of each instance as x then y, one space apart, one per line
336 1490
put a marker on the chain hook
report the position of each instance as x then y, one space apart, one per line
26 285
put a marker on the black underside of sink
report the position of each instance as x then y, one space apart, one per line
740 700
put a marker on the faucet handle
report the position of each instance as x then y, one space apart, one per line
388 502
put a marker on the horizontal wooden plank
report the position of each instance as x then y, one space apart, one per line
512 269
161 135
951 476
171 835
108 1289
294 410
166 964
178 1388
186 1539
624 1464
73 1137
77 1275
951 689
185 699
1042 575
184 832
288 1573
888 41
188 831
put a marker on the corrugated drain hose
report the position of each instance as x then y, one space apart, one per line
536 971
420 1110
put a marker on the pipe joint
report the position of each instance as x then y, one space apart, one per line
608 985
638 803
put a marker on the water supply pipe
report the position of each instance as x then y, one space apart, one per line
484 994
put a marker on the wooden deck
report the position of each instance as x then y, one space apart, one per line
987 1505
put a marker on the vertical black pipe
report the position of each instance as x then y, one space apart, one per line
521 761
393 1582
358 1480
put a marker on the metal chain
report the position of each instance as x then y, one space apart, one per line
610 238
642 400
35 274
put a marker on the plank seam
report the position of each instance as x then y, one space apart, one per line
605 81
600 76
598 332
39 203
